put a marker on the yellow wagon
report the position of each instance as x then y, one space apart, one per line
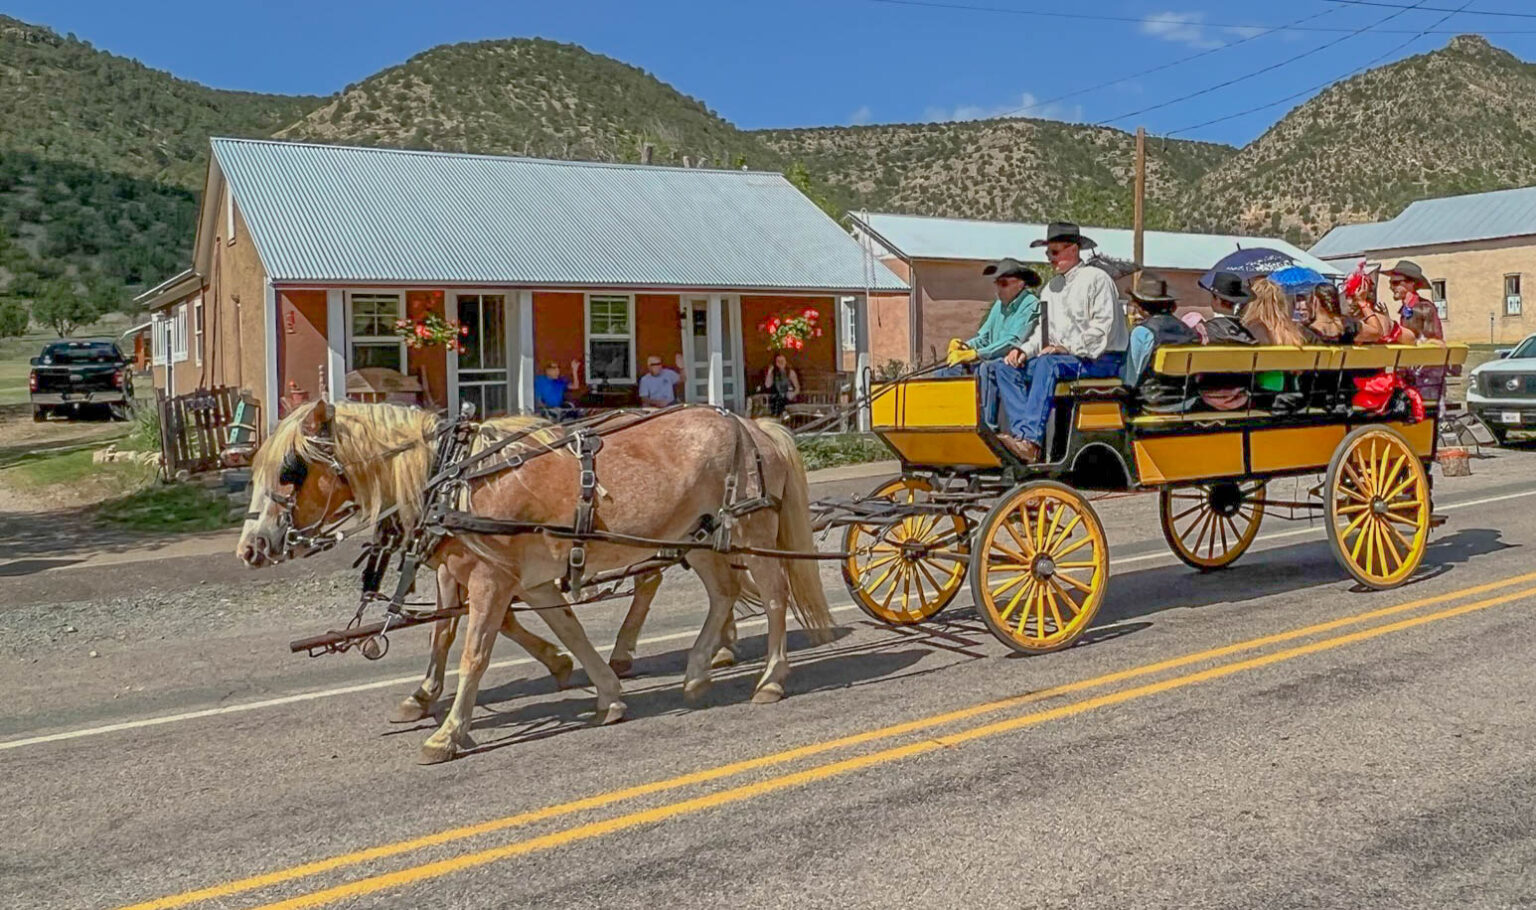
1028 540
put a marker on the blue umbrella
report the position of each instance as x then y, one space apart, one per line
1297 278
1260 260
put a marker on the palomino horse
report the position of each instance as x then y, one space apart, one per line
661 477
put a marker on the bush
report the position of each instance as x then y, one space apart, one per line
13 319
836 449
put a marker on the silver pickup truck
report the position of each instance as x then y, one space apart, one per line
1502 393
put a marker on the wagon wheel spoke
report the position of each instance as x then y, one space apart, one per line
1352 510
1029 605
1354 552
1056 622
870 567
1391 475
1408 504
1067 597
1024 544
1084 541
1401 487
1065 534
922 569
1402 520
1019 578
1354 524
1386 546
1074 582
1013 603
1370 548
1401 540
1189 511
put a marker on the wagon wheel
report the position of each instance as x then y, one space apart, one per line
906 570
1378 506
1210 525
1040 567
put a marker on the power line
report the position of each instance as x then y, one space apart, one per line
1239 26
1436 9
1319 87
1259 72
1146 72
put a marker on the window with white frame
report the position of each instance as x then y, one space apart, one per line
158 346
848 323
179 334
610 338
1512 304
1437 293
372 341
197 329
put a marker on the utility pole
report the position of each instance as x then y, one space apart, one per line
1139 216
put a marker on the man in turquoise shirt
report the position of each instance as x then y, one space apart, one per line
1010 320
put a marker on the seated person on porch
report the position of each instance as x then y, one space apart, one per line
1009 321
1081 335
658 387
781 384
549 392
1157 326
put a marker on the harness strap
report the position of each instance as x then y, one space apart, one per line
587 446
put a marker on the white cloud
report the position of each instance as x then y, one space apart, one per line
1026 106
1190 29
861 116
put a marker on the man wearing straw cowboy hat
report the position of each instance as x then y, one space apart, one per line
1418 315
1081 335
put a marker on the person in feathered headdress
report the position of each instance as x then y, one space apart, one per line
1376 326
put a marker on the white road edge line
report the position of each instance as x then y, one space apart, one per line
841 607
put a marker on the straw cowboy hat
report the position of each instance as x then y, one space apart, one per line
1409 270
1065 232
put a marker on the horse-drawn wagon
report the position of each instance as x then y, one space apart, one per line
1027 537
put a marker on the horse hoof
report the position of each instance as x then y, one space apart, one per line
622 667
694 691
437 753
725 657
562 671
609 715
767 695
411 710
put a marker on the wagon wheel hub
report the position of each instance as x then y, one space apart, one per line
1378 506
1043 567
1226 499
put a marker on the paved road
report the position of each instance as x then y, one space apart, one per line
1265 737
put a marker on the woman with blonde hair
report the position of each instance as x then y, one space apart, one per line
1268 316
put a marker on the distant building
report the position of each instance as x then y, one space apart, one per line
1475 249
306 255
942 258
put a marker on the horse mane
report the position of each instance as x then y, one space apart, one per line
362 435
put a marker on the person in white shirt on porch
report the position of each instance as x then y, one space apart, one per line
1081 334
658 387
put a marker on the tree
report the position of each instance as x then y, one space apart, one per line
13 319
59 307
797 174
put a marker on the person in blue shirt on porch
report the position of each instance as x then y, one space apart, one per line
549 392
1081 334
1009 321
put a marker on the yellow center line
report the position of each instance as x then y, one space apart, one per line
425 871
600 800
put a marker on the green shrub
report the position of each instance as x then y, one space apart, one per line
836 449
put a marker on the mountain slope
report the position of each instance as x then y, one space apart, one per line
1459 120
529 97
1011 169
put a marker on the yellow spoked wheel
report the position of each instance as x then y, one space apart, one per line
1039 567
907 569
1210 525
1378 506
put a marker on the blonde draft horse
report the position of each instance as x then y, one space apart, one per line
661 476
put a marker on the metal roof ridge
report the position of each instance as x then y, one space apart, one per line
524 159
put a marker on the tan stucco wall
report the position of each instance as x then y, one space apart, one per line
1474 285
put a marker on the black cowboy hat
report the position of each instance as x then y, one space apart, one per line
1408 269
1152 288
1065 232
1229 286
1009 267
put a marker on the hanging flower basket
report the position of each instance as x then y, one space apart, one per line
789 331
431 330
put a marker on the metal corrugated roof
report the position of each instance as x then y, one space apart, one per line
1349 240
333 214
918 237
1452 219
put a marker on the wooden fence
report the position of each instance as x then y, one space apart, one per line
194 428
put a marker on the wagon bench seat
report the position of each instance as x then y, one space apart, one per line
1187 360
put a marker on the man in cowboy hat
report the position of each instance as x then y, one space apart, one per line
1009 321
1158 326
1417 315
1081 335
1228 294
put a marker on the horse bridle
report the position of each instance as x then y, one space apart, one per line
324 532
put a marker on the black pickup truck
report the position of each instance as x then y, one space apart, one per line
74 377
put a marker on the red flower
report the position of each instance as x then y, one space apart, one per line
809 313
463 330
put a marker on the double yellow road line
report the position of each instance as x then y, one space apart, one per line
587 831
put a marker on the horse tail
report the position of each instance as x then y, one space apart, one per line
807 598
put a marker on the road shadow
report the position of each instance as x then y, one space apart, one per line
37 538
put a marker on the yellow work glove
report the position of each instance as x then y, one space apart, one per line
955 344
960 355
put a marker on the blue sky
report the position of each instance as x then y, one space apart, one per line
827 62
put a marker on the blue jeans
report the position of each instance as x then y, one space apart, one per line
986 383
1028 392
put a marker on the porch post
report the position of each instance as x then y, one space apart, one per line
861 358
270 391
525 364
336 346
714 324
451 359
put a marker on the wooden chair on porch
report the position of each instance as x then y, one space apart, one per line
375 384
821 394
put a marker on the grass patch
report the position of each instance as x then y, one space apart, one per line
38 470
836 449
168 508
